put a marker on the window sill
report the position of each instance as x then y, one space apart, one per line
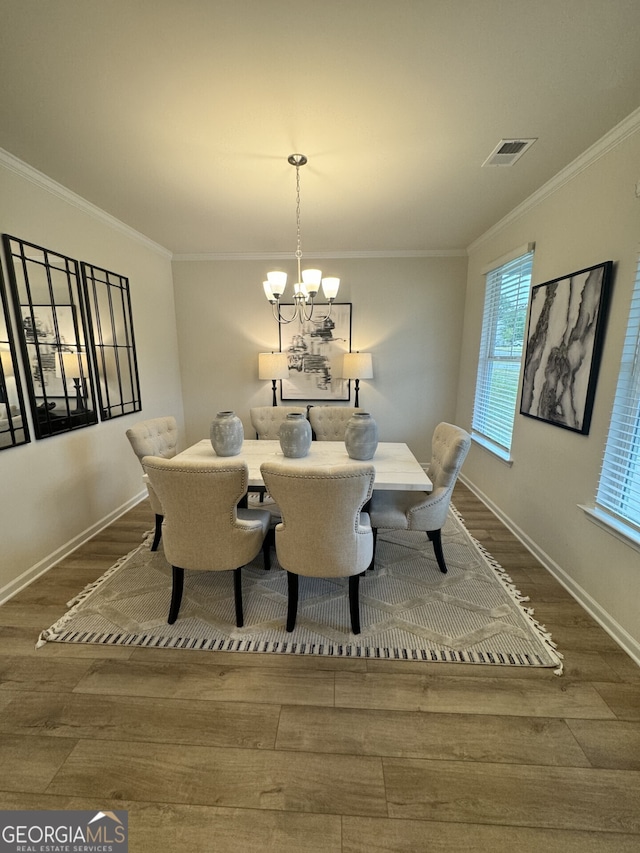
624 532
502 454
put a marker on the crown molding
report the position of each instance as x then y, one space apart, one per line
617 135
13 164
288 256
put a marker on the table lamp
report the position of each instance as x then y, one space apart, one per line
71 366
357 365
273 366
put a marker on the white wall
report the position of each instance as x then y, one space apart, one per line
54 491
406 311
593 217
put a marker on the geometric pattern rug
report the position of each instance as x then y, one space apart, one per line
409 610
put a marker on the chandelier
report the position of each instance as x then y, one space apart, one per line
308 284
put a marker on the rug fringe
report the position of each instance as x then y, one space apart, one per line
56 630
517 596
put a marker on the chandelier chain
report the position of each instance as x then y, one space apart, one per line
306 287
299 239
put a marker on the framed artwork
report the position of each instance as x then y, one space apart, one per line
52 331
314 353
567 318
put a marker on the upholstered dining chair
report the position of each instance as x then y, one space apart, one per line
421 510
329 423
323 532
266 420
155 437
203 528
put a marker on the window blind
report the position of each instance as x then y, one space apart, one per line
619 486
501 344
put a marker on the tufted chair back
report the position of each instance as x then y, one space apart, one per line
155 437
449 447
329 423
266 420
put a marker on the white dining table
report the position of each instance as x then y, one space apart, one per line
395 465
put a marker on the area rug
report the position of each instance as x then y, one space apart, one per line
409 609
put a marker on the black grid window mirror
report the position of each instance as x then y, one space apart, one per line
52 331
13 417
112 341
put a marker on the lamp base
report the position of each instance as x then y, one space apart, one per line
80 406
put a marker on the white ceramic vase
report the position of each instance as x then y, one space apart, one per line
227 434
361 436
295 435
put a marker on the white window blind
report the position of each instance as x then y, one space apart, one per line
503 329
619 488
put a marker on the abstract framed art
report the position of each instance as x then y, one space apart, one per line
567 319
314 353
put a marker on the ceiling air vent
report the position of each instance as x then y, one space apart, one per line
507 151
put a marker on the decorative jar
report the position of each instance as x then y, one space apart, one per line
227 434
295 435
361 436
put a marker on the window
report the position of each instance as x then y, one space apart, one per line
503 328
619 489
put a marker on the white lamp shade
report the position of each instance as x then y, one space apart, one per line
7 364
277 282
357 365
71 363
330 287
273 365
311 279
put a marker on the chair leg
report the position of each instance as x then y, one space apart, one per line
292 608
157 533
436 538
354 602
373 553
237 594
269 540
176 594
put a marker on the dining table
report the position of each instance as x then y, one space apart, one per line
396 468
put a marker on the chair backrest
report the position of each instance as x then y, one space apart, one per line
449 447
329 423
201 528
322 532
155 437
266 420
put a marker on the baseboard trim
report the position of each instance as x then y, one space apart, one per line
43 566
619 634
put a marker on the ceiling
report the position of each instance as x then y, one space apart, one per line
177 116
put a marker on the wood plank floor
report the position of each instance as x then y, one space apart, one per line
230 752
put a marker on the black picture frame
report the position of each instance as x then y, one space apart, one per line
567 321
314 350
